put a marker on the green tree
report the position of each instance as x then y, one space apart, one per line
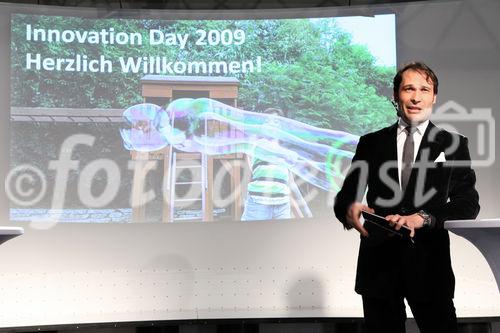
311 68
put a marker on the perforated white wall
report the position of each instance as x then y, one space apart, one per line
87 273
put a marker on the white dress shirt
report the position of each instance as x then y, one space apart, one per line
401 138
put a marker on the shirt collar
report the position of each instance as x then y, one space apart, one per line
420 127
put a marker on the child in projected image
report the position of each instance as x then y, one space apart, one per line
268 195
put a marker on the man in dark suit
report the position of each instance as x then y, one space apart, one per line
418 176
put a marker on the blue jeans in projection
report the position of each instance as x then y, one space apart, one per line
255 211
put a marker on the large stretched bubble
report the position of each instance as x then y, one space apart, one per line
210 127
149 128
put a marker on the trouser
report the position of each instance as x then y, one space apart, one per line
389 315
255 211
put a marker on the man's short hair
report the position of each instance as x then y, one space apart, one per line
419 67
277 111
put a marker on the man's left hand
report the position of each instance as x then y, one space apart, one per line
413 222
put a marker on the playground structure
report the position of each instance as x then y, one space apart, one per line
162 90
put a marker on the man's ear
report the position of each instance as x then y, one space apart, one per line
395 104
395 101
434 99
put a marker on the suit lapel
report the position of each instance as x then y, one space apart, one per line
391 150
429 146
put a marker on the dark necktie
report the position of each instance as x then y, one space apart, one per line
408 152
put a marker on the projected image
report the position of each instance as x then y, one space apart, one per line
150 120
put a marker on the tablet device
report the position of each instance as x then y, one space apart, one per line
382 223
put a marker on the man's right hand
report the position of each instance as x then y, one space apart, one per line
353 214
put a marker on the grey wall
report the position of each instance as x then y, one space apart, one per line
461 41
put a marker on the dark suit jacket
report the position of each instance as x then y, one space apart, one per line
389 265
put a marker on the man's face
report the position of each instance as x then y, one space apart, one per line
415 97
